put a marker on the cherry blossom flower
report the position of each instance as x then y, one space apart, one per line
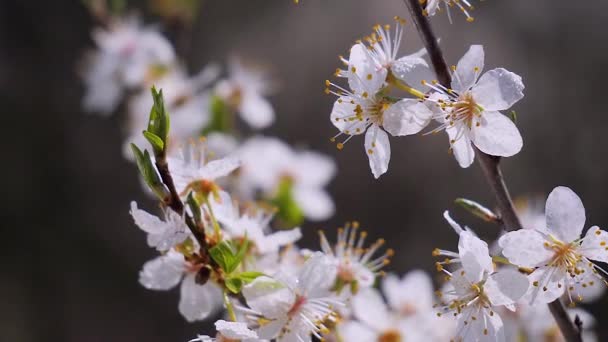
191 169
245 90
470 111
432 7
252 225
558 256
475 290
271 166
127 56
229 331
163 273
291 309
356 265
162 235
365 109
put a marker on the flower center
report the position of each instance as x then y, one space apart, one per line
390 336
566 255
376 111
297 305
465 110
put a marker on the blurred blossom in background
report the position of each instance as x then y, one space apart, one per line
72 254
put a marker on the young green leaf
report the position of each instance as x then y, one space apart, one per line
224 255
194 206
158 123
235 283
477 209
157 144
148 172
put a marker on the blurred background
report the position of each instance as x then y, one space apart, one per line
70 251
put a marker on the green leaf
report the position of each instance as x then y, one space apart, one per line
513 116
477 209
289 212
221 117
249 276
154 140
148 172
224 255
158 123
235 283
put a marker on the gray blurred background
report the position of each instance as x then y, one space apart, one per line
70 252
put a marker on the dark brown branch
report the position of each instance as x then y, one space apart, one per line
489 164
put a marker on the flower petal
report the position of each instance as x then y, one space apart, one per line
565 214
525 248
468 69
344 116
474 255
461 148
498 89
145 221
369 308
378 150
234 330
163 272
269 297
196 301
257 111
548 284
356 332
316 203
412 70
219 168
496 135
363 76
406 117
595 244
506 287
410 295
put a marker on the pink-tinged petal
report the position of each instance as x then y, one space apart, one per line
525 248
406 117
498 89
496 135
565 214
378 150
506 287
595 244
468 69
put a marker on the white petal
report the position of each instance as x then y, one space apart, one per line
316 204
234 330
366 78
565 214
356 332
274 241
413 294
269 297
548 289
145 221
457 228
317 275
313 169
257 111
412 70
196 301
378 150
595 244
219 168
496 135
475 256
271 329
498 89
369 308
163 272
525 248
465 75
461 148
343 116
486 328
506 287
406 117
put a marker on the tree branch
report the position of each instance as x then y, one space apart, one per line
489 164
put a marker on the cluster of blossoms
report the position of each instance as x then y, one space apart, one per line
231 207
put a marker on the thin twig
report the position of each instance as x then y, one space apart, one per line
489 164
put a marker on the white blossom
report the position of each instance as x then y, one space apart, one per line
252 225
432 7
163 273
128 55
475 290
245 90
558 256
469 111
228 332
291 309
162 235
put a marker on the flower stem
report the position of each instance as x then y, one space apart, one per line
401 85
489 164
229 307
216 225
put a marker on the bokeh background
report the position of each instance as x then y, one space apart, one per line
70 252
